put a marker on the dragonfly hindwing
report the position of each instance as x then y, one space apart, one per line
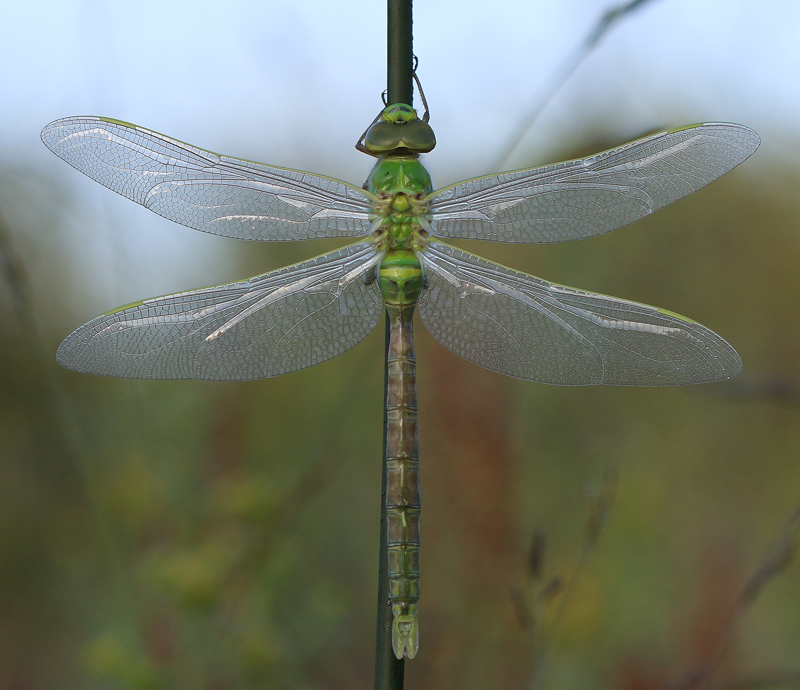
269 325
522 326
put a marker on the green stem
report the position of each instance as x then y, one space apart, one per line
389 670
400 87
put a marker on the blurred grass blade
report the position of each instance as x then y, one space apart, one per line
563 74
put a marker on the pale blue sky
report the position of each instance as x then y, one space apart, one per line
252 76
294 84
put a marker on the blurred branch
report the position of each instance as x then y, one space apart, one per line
529 603
562 75
57 413
780 679
541 592
776 387
317 477
15 276
773 563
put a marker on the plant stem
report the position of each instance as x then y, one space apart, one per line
399 82
389 670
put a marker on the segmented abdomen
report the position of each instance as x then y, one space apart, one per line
402 485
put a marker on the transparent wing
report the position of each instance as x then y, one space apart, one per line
590 196
269 325
522 326
207 191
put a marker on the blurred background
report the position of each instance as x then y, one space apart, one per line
196 535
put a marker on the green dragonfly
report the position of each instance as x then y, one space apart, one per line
494 316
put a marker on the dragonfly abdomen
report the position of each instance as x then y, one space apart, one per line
402 481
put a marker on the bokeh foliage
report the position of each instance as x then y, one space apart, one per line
192 535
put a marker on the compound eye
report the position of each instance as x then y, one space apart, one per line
418 136
382 137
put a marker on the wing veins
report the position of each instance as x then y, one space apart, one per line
189 185
594 195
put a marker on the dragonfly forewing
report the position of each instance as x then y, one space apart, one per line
207 191
525 327
594 195
273 324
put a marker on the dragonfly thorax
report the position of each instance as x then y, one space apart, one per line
401 227
393 174
401 185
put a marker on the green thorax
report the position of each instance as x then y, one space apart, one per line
401 185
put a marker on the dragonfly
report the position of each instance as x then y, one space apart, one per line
400 261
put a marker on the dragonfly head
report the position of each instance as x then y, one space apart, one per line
400 131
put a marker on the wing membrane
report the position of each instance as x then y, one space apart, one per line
207 191
269 325
524 327
591 196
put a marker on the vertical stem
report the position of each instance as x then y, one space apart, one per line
389 670
400 88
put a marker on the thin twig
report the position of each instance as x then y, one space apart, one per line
601 501
776 679
13 273
774 562
563 74
778 387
